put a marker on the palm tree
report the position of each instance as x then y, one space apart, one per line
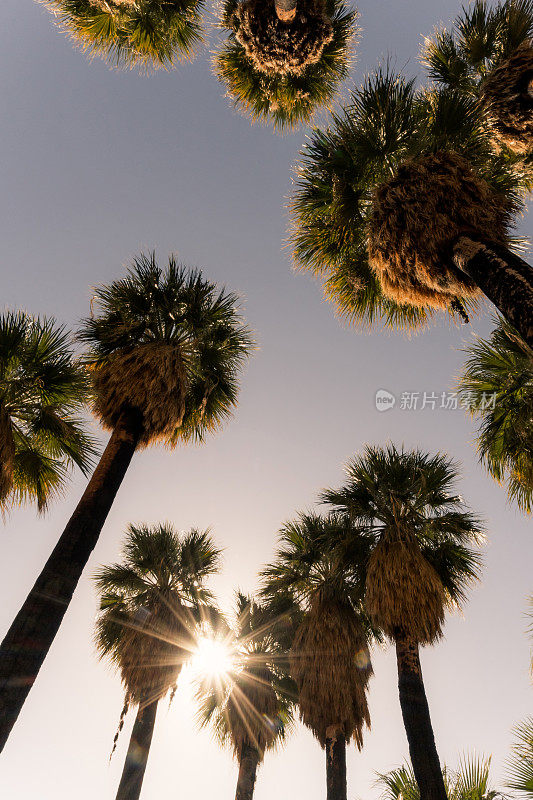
488 55
149 34
520 765
42 390
283 59
249 707
411 538
497 387
360 219
329 658
470 782
165 355
151 604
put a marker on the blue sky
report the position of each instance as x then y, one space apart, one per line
97 165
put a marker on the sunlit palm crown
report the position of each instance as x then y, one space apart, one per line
282 71
412 535
488 54
168 345
497 386
149 34
151 605
367 211
470 782
329 658
42 391
520 764
251 704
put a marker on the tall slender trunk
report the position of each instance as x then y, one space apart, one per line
285 9
335 764
503 277
248 762
417 721
33 630
135 766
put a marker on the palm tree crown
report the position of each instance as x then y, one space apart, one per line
497 387
151 604
330 659
520 764
281 70
488 55
169 346
42 390
413 534
360 220
471 781
149 34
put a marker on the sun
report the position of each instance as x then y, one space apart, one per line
212 658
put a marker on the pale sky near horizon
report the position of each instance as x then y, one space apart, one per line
97 165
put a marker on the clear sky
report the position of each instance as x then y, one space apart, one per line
96 165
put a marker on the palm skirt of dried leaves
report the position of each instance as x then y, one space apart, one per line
404 592
416 217
505 96
330 663
150 378
7 454
277 46
252 711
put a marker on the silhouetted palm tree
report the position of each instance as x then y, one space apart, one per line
150 34
165 354
496 385
329 659
43 388
402 207
249 707
283 59
411 539
488 55
151 606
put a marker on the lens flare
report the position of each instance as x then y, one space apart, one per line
212 658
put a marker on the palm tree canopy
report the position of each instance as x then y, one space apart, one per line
281 72
42 391
152 603
330 659
356 178
488 54
168 344
149 34
497 387
410 535
520 764
471 781
252 704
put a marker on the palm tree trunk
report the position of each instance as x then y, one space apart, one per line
135 766
335 764
285 9
248 762
505 278
31 634
417 721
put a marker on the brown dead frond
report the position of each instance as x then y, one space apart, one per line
330 663
150 378
403 591
7 454
415 219
252 710
282 47
506 96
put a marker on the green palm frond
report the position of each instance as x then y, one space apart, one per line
285 100
146 34
496 386
43 388
471 781
520 764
